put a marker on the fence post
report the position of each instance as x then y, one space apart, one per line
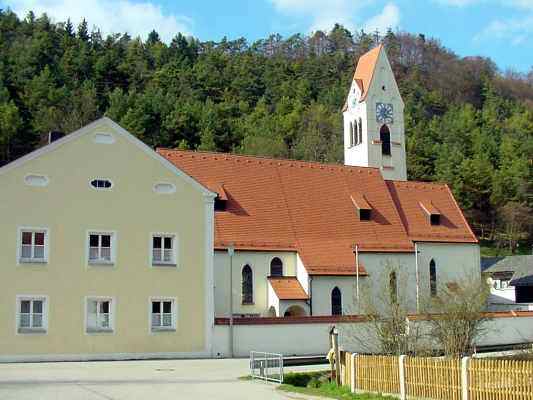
401 365
465 361
352 376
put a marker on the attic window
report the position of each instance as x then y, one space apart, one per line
222 198
220 205
101 184
363 208
365 215
432 212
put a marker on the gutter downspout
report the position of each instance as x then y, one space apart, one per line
357 277
231 252
417 280
310 295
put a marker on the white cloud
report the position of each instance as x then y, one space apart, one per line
388 18
515 31
457 3
136 18
325 14
520 4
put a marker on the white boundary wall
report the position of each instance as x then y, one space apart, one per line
300 339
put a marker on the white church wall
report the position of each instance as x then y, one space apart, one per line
321 288
260 264
457 263
374 290
301 274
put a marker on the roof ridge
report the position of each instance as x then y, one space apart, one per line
265 158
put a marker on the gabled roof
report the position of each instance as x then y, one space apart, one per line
364 71
117 129
288 288
303 206
408 197
520 266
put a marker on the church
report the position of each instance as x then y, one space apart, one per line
316 239
111 250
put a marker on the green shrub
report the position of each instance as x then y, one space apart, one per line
301 379
314 383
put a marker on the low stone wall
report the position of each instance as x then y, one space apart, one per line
302 336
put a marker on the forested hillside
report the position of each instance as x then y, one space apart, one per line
467 124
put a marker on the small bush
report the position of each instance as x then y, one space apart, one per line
301 379
314 383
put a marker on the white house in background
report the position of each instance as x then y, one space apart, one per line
511 282
320 239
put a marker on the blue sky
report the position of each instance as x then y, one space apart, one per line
500 29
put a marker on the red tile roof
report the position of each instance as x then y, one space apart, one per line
288 288
364 71
436 198
309 208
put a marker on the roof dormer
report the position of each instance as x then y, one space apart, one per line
364 209
431 211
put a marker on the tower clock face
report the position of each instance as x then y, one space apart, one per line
353 101
384 113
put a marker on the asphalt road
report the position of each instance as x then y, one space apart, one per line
132 380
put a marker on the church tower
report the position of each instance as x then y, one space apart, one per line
374 133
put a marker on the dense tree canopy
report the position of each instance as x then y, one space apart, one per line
467 124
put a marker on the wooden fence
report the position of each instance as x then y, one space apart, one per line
500 379
439 378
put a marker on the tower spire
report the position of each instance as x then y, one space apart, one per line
373 118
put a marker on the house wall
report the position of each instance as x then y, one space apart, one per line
68 207
260 264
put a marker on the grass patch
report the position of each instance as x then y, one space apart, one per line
317 384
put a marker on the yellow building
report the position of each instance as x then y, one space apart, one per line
107 252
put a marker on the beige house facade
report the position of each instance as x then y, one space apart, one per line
107 252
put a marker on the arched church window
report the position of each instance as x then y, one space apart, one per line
433 278
276 267
393 287
360 130
336 301
247 285
384 137
354 134
351 134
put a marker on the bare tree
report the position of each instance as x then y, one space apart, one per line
515 220
456 317
386 328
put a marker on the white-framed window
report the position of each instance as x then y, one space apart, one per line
163 312
32 314
101 247
99 314
163 249
33 245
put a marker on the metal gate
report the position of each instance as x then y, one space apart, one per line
266 366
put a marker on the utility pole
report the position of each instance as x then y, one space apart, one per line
231 252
